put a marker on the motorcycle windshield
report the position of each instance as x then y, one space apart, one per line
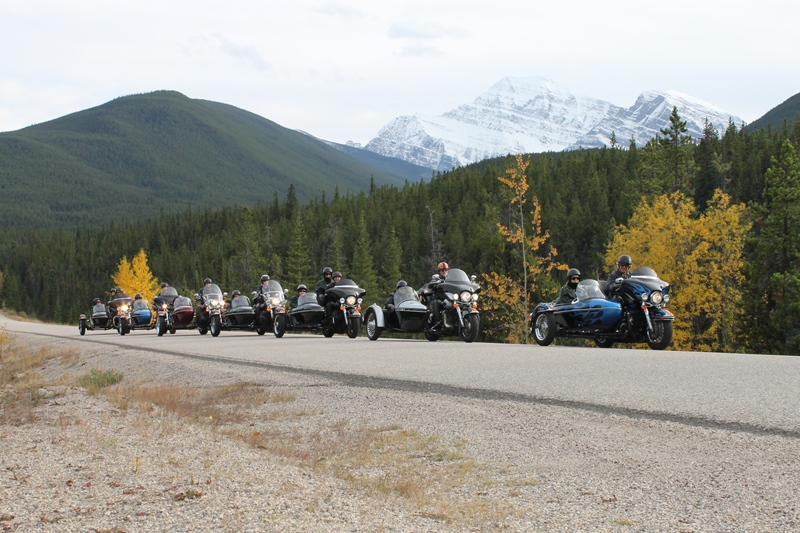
305 299
644 272
212 293
273 287
140 304
240 301
588 289
456 275
98 309
168 291
181 301
404 294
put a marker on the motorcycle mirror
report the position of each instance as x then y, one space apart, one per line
286 292
472 278
435 277
254 294
224 294
196 296
618 280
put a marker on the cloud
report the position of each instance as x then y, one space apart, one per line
247 54
421 51
338 9
428 31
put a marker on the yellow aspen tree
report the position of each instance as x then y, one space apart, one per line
507 295
123 277
144 282
699 256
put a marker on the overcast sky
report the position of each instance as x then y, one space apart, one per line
342 69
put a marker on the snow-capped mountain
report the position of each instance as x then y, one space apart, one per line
536 115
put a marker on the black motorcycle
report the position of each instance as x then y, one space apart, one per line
98 318
120 309
270 309
635 312
208 314
239 314
342 304
457 298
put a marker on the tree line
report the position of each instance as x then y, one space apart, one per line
715 217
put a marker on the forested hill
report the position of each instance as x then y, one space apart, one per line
140 155
783 115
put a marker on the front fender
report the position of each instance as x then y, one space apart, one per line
380 321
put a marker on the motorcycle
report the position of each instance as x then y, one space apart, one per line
238 314
173 312
98 318
342 304
270 309
120 311
636 313
458 299
208 314
405 314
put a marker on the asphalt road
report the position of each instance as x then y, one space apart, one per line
740 392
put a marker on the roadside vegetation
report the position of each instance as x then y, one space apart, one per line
433 478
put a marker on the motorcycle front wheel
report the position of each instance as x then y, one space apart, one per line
82 327
216 326
661 336
544 329
161 326
469 331
279 326
353 326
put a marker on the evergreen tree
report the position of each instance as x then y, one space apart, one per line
298 264
770 314
390 263
363 269
677 148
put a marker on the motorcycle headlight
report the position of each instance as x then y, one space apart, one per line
657 298
123 308
360 300
466 296
351 300
276 301
475 297
645 297
213 303
453 296
163 306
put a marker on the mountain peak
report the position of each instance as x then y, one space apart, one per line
535 114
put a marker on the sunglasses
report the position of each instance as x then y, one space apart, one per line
575 278
302 290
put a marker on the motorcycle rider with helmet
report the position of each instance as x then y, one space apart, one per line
327 274
389 305
567 294
437 303
301 290
331 306
622 272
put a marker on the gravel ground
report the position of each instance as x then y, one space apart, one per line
82 463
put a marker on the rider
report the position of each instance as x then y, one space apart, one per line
206 284
164 286
235 295
301 290
436 303
262 289
622 272
389 305
327 274
567 294
332 306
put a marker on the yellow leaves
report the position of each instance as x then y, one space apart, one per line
135 277
701 258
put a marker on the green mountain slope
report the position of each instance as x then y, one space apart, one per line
138 155
777 117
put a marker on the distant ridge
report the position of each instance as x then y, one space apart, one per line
138 155
779 115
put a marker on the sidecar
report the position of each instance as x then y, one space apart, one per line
590 315
98 318
405 315
141 316
239 315
307 315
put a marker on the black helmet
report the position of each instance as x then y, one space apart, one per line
624 260
236 293
327 270
118 291
137 297
401 283
96 301
207 281
337 274
573 272
264 278
302 287
164 285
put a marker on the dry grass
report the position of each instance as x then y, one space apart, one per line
433 478
21 379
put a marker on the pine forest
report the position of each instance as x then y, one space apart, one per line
717 218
